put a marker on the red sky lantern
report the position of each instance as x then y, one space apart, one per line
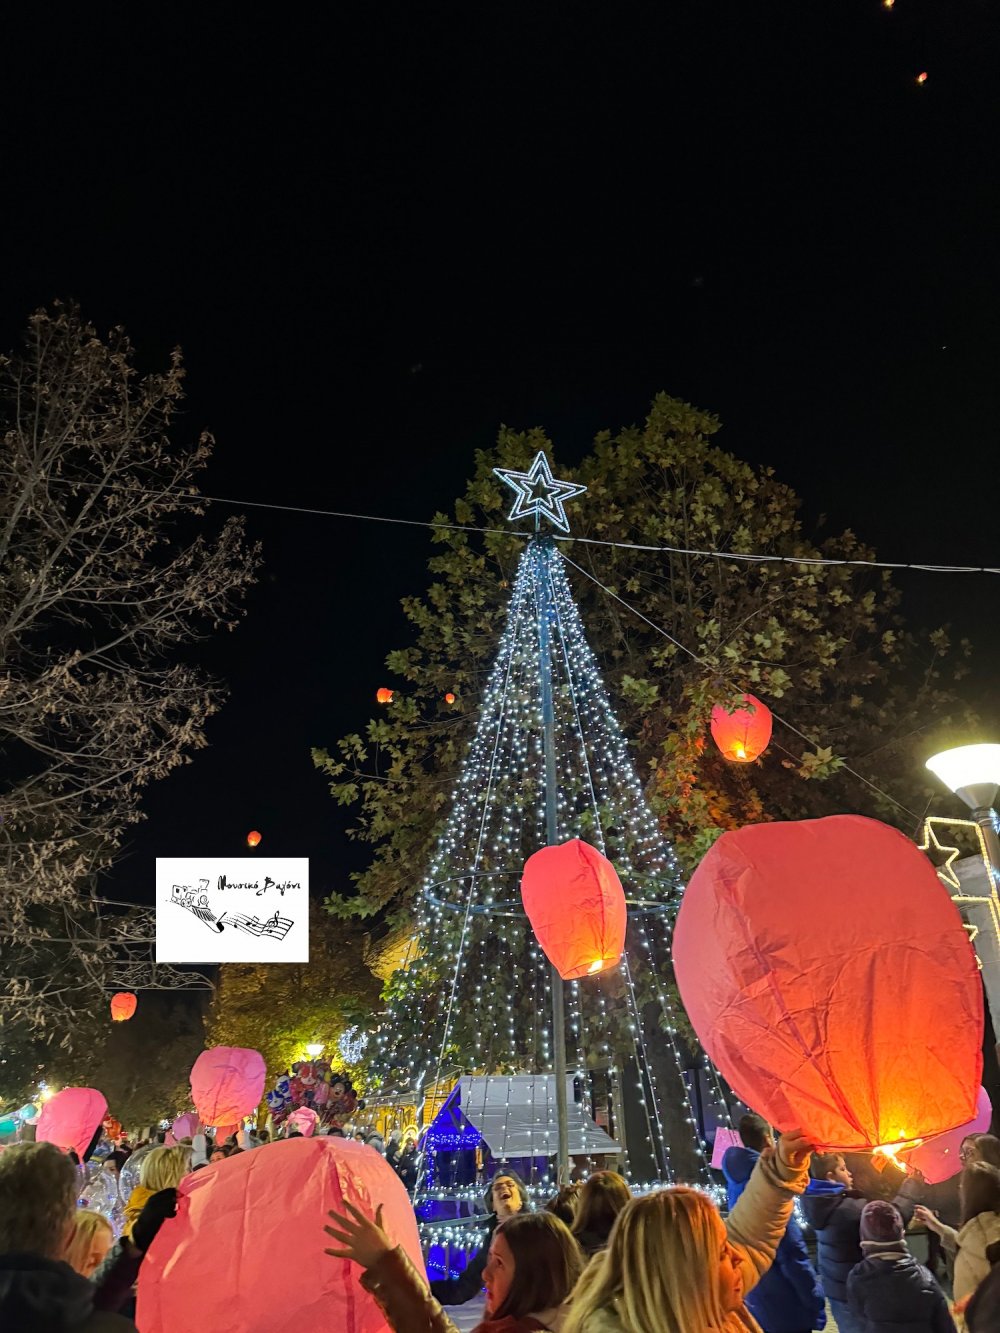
743 734
123 1006
383 696
449 698
809 957
253 838
922 77
576 905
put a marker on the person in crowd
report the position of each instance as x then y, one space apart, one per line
264 1135
534 1264
673 1266
409 1164
833 1208
889 1290
375 1140
980 1148
39 1290
788 1298
162 1169
93 1237
565 1203
217 1155
505 1196
979 1191
394 1149
601 1199
982 1310
359 1136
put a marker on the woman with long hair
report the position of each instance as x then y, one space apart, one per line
93 1237
162 1169
533 1266
602 1198
979 1191
673 1266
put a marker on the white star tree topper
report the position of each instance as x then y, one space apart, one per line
538 492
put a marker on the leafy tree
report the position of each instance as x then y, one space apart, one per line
825 646
277 1008
107 573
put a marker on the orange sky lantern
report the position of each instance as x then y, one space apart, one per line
449 698
576 905
808 957
123 1006
253 838
743 734
383 696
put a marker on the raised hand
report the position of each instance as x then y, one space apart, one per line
364 1241
795 1148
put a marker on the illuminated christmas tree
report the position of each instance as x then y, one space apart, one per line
476 992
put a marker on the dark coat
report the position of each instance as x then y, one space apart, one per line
469 1283
46 1296
898 1295
834 1213
788 1298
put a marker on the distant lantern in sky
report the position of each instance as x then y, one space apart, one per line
888 4
383 696
922 76
576 905
253 838
449 698
123 1006
744 733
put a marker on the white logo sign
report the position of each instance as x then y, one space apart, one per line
236 910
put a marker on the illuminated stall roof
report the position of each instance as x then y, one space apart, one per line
516 1117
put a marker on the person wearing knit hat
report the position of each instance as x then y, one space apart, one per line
889 1292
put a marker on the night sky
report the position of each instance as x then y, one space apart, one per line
379 235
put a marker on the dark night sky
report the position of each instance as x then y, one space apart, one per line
379 236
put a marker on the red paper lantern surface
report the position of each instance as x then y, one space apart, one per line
576 905
123 1006
383 696
743 734
813 959
227 1083
938 1159
70 1119
245 1250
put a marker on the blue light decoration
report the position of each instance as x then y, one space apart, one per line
538 493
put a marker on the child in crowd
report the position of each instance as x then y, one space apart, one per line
93 1237
889 1291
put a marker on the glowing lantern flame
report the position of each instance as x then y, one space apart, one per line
744 733
383 696
253 838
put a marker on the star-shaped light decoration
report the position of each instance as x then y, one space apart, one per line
945 872
537 492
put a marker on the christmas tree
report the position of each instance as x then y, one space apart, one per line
476 990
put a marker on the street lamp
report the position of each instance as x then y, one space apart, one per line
972 772
314 1049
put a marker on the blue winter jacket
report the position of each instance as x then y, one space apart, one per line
788 1298
834 1213
892 1293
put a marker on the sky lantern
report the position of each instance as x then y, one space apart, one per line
255 1214
71 1118
123 1006
227 1083
383 696
922 77
810 957
253 838
449 698
743 734
576 905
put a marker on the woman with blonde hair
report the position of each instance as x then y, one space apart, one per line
162 1169
673 1266
93 1236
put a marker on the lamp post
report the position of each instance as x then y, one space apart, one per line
972 772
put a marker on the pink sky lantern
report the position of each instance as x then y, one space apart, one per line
257 1215
938 1159
724 1140
185 1126
576 905
809 956
304 1120
71 1118
227 1083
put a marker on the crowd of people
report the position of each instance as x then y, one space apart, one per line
594 1260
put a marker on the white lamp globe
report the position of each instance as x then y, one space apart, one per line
972 772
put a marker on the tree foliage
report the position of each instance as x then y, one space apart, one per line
108 573
277 1008
824 645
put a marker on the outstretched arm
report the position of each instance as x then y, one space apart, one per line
758 1221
